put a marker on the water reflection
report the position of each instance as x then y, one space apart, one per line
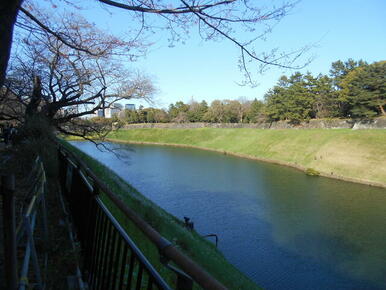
282 228
331 222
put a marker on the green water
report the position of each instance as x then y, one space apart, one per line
282 228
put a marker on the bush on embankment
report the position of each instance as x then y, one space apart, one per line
191 243
354 155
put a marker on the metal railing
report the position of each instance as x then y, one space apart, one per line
22 238
35 209
111 258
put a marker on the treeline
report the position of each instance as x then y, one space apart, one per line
353 89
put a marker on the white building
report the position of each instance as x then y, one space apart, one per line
113 110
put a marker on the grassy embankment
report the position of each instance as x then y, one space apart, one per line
353 155
199 249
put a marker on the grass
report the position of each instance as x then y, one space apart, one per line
357 155
192 244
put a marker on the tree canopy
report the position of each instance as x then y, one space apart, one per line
364 90
354 89
59 83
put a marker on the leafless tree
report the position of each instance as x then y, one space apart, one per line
61 83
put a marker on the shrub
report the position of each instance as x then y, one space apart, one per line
312 172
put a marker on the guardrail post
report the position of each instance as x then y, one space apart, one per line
44 208
91 227
35 262
184 281
7 190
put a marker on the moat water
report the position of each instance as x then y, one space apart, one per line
282 228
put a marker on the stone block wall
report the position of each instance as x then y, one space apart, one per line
378 123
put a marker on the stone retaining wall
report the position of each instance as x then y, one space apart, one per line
378 123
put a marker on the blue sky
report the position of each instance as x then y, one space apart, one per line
208 70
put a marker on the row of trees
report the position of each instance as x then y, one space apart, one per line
226 111
353 89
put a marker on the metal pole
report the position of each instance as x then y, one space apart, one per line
7 190
24 269
44 209
34 257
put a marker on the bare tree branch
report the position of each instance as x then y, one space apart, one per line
177 10
57 35
244 50
70 83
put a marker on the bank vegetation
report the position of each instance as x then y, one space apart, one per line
353 155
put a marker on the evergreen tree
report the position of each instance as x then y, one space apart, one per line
177 108
290 100
326 102
255 111
339 70
364 90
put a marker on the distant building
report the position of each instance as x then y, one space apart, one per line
99 113
130 107
113 110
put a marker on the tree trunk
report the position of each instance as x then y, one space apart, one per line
382 110
36 124
8 14
36 98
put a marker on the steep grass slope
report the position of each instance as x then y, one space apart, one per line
356 155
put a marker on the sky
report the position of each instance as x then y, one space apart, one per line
199 70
